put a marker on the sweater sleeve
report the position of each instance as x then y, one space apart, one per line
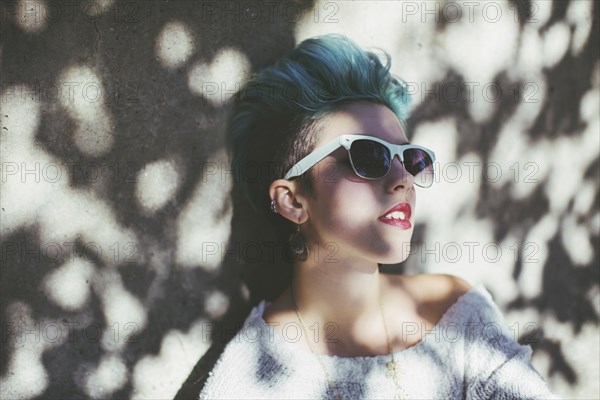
498 367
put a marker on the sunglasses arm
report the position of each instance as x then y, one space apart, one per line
317 155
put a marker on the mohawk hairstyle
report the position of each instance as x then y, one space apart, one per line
277 113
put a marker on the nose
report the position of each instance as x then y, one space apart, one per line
398 177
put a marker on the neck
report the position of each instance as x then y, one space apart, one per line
347 294
338 292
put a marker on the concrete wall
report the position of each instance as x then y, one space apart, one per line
123 252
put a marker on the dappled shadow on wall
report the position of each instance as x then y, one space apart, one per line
116 210
106 287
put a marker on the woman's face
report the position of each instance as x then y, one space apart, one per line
345 215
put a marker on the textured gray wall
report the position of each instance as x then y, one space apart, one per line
125 255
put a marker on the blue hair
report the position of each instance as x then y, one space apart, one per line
276 114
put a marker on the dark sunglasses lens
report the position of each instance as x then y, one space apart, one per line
419 164
370 159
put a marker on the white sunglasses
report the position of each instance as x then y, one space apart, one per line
371 158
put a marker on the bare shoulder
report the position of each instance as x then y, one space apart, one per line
444 285
437 285
433 294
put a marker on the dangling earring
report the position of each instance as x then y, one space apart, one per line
298 245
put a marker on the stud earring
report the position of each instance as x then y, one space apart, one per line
298 245
273 206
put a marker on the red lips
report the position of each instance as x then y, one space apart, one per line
404 220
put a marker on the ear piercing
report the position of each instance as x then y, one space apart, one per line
273 207
296 240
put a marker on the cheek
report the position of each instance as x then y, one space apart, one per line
349 206
412 199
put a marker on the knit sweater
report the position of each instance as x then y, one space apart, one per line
469 354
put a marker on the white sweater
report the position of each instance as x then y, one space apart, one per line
469 354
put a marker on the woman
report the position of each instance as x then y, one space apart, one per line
329 122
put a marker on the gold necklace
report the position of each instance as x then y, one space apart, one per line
393 372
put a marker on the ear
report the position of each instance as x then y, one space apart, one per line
290 203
